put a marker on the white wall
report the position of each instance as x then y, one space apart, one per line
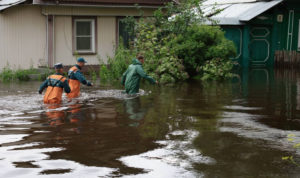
23 34
22 37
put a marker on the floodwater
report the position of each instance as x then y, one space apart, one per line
225 129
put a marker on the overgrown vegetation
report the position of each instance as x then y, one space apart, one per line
176 44
117 65
217 69
7 74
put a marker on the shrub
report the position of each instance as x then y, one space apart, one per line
217 69
7 74
22 75
160 63
117 65
199 44
175 43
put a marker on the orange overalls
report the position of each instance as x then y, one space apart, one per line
74 84
53 94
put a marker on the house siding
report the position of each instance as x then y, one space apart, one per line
23 34
95 11
23 37
106 40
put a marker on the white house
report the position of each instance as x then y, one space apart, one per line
43 32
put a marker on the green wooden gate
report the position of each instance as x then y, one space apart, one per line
260 45
235 34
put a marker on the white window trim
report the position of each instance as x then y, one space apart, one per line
93 45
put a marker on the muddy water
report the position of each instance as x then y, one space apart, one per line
232 129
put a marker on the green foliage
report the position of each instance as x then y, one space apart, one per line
23 75
104 73
160 63
217 69
117 65
7 74
201 43
93 75
175 43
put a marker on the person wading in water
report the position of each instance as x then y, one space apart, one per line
131 78
76 77
55 85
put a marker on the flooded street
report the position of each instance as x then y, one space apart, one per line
231 129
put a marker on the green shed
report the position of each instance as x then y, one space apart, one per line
260 29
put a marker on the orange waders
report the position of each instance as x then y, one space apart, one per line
74 85
53 94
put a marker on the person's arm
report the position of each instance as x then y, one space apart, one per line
66 86
78 75
43 86
124 77
142 73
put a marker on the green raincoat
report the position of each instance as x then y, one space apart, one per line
131 78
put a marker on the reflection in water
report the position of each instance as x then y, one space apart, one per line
134 110
229 129
55 117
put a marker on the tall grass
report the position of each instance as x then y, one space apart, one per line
7 74
116 65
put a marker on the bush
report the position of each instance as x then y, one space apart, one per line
217 69
175 43
7 74
199 44
160 62
117 65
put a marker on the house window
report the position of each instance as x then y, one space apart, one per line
125 31
84 35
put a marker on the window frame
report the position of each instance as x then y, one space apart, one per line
118 19
93 21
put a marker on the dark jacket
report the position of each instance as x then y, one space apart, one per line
77 75
55 83
131 78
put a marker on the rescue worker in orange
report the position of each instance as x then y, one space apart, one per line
76 77
55 85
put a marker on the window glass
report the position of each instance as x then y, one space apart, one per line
84 35
83 28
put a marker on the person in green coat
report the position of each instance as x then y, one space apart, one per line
131 78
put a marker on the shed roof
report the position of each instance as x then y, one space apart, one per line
4 4
236 12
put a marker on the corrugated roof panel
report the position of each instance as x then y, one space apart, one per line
211 10
4 4
235 10
212 2
226 21
237 13
259 9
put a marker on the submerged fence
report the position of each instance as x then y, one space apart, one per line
287 59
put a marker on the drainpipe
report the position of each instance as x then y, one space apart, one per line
50 40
